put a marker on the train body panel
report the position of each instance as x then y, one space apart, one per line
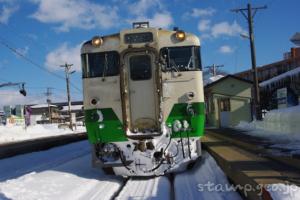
143 101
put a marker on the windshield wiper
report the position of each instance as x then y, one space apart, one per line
173 65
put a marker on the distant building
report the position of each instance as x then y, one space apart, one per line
77 109
2 117
40 114
228 101
59 112
277 77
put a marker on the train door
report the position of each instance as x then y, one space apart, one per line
142 91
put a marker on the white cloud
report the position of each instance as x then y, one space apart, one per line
7 11
204 25
141 7
13 97
198 12
64 54
227 29
226 49
152 11
161 20
75 14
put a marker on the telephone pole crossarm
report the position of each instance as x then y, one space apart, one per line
214 68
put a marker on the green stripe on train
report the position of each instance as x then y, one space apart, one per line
196 122
112 128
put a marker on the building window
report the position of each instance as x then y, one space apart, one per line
224 104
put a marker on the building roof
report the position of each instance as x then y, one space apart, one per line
226 77
281 76
73 107
271 65
212 79
42 106
296 38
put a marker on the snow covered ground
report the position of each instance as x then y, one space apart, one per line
140 189
18 133
59 173
284 192
65 173
281 127
205 181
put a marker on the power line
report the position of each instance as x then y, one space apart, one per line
13 29
14 50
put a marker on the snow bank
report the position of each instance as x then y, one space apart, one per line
206 181
17 166
281 126
285 120
284 192
65 176
19 133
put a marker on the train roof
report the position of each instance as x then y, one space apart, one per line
161 38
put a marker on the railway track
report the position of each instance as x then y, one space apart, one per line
249 162
65 173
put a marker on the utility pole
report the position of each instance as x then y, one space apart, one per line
213 68
247 13
48 94
67 71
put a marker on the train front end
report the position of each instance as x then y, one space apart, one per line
143 100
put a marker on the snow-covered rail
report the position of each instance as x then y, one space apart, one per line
38 144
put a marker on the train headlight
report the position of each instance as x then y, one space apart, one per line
177 126
180 35
97 41
109 152
185 124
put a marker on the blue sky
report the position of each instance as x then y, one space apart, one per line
50 32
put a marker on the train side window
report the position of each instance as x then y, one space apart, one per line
140 67
100 64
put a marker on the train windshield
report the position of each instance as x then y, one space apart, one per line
181 58
100 64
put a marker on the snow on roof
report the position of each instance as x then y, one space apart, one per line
212 79
42 106
281 76
75 107
296 38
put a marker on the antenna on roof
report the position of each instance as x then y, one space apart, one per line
140 25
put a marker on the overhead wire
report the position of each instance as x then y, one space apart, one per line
14 50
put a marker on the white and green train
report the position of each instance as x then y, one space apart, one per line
143 100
